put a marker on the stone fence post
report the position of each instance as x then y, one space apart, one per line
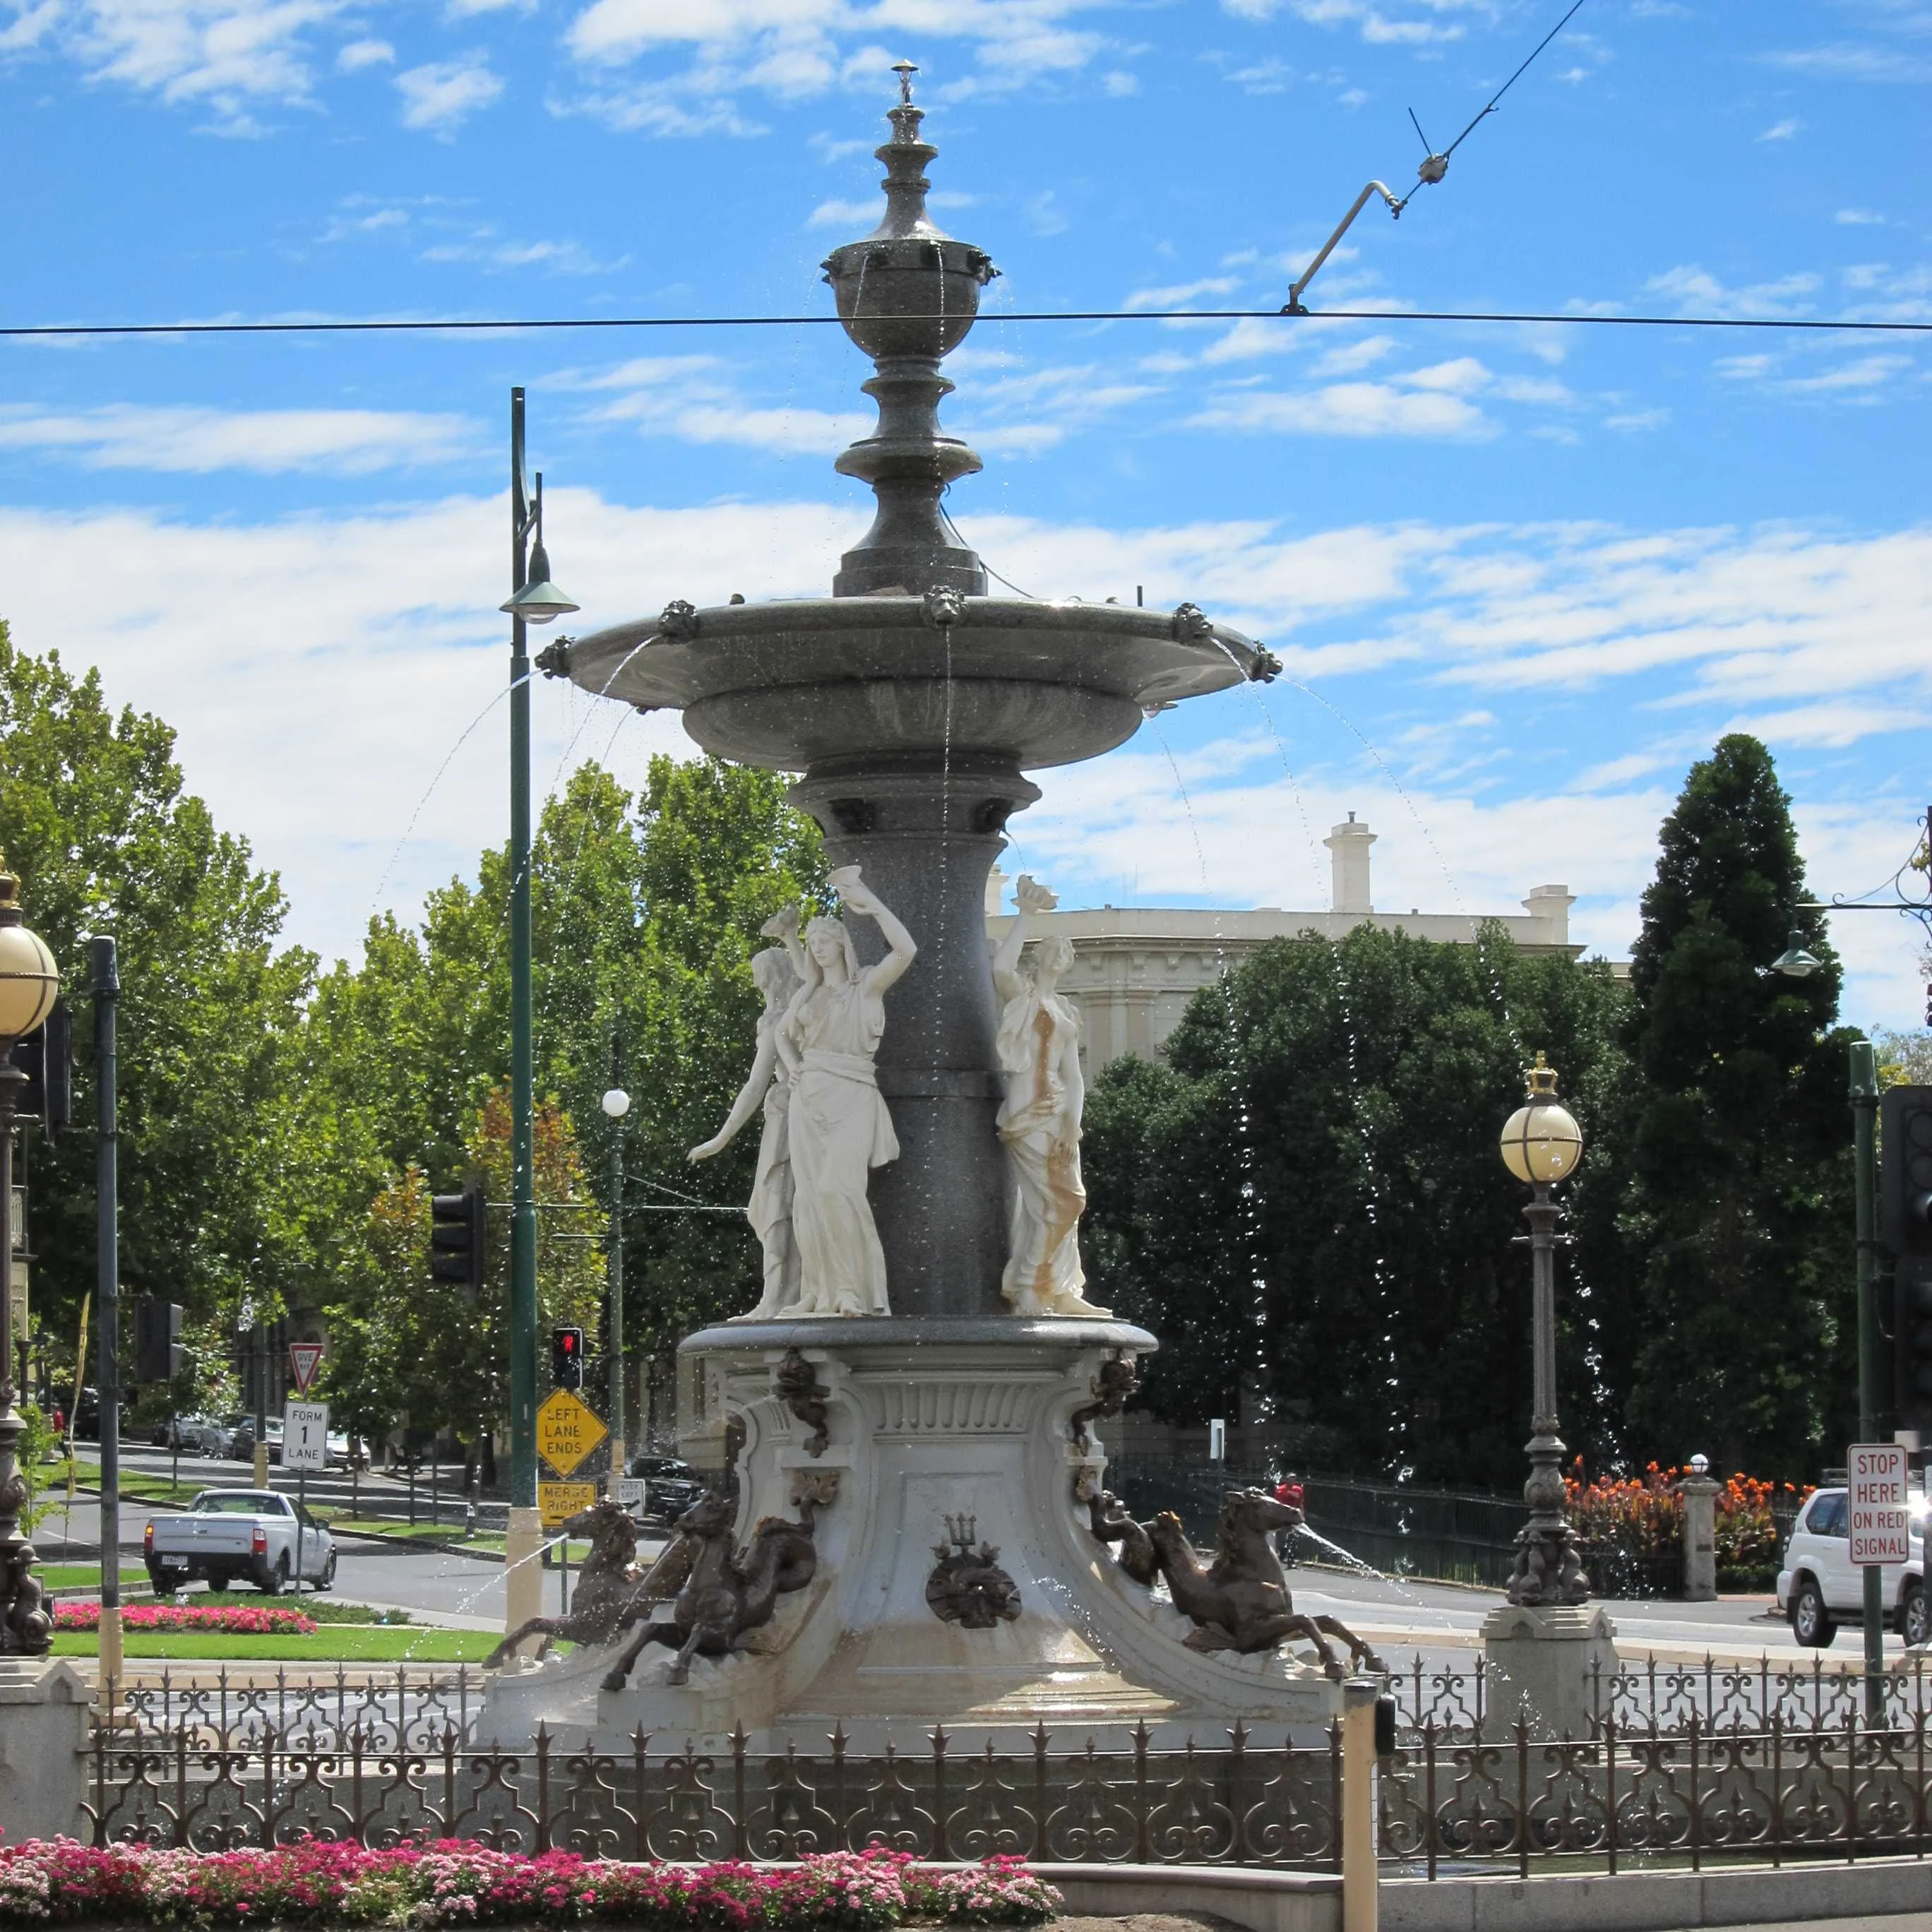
1699 1493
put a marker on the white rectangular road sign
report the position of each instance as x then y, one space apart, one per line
631 1491
1881 1528
305 1435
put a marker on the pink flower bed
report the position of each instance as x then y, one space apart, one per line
230 1620
458 1883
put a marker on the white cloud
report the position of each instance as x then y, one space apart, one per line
1182 295
845 213
1781 130
796 49
1696 292
359 54
229 54
270 441
1344 409
440 96
1858 218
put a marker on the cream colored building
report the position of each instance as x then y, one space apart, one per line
1135 968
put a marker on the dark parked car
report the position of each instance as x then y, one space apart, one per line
671 1487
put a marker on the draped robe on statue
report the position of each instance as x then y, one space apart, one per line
839 1130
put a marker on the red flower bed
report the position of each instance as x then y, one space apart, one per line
459 1883
229 1620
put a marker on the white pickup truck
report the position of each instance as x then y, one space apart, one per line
226 1534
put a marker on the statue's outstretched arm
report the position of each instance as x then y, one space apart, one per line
750 1097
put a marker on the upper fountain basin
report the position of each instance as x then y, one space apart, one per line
908 296
792 686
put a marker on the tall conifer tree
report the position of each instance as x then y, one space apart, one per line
1738 1209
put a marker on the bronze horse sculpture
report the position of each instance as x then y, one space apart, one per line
722 1595
610 1586
1239 1601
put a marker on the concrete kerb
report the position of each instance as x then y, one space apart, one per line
1294 1901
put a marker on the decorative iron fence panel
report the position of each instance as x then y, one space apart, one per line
1668 1698
1241 1802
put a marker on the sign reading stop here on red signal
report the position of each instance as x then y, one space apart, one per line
1881 1527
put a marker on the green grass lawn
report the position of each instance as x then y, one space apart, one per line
70 1575
334 1643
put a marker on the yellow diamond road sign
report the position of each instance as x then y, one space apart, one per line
568 1429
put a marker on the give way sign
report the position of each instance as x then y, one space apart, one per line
304 1358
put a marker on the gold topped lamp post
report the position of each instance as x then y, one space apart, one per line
1541 1145
28 982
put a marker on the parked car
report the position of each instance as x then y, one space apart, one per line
228 1534
671 1486
196 1435
242 1444
1819 1587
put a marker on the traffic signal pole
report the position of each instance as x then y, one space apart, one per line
523 1595
107 1283
1871 1376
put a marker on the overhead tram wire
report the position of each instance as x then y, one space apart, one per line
457 326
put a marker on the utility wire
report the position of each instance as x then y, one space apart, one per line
43 330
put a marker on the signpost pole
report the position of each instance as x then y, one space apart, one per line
301 1520
1865 1110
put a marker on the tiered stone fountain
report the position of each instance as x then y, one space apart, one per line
913 704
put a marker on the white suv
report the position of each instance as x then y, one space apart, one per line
1819 1587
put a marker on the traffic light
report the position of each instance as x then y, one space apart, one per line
1905 1222
1912 1343
46 1057
566 1358
158 1354
456 1237
1905 1170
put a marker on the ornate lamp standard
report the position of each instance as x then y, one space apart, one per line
28 982
1541 1146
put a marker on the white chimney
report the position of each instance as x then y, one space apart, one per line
1349 868
1549 907
996 892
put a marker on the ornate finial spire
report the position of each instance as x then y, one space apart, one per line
908 294
10 895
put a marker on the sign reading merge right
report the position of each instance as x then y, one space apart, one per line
1881 1528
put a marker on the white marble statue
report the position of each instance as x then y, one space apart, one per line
839 1126
1038 1048
777 973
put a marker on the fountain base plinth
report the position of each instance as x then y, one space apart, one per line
951 1474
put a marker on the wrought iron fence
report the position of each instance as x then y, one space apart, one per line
401 1708
1458 1700
1684 1763
1242 1803
1651 1797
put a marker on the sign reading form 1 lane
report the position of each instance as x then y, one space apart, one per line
305 1447
1881 1528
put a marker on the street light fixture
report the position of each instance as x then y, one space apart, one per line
29 982
616 1103
1794 961
539 601
1541 1145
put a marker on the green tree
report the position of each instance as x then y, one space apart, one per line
1306 1204
1741 1331
94 817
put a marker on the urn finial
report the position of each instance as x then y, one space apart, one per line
907 295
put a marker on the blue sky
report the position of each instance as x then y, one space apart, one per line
1525 575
